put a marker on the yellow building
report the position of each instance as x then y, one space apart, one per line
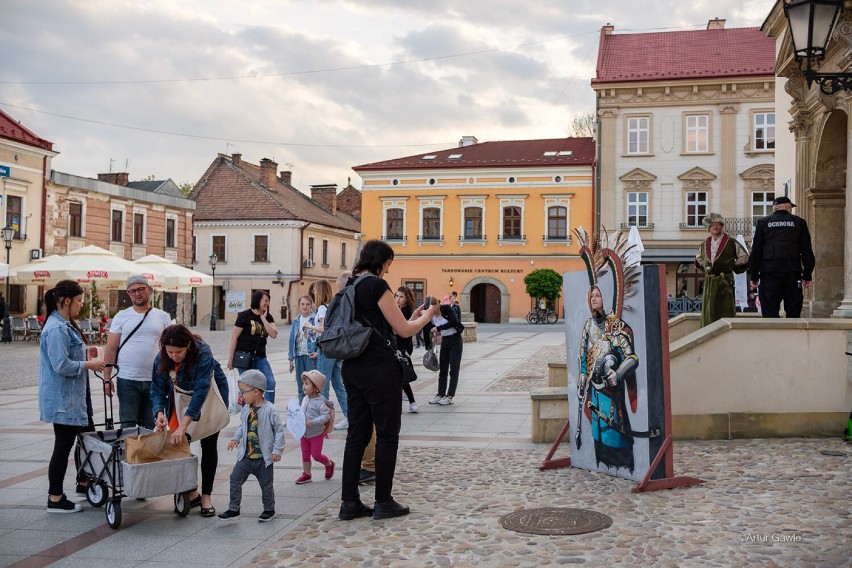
480 217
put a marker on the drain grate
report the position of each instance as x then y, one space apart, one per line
553 521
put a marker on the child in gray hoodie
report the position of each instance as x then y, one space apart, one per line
260 437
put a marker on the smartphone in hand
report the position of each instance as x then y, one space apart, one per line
427 303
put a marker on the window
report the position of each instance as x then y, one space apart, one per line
138 229
431 223
394 224
696 208
761 203
261 248
117 225
697 133
511 222
637 208
324 252
557 222
638 135
419 289
473 222
343 255
75 219
219 247
311 249
171 233
14 214
194 249
764 131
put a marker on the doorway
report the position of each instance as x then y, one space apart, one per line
486 303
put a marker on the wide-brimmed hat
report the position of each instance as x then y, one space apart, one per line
254 379
316 378
713 218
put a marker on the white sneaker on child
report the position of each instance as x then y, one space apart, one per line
413 408
342 425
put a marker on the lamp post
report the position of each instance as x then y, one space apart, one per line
812 24
8 235
213 260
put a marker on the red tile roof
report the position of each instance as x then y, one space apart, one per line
506 154
734 52
15 131
234 192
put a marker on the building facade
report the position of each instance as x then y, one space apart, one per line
130 219
25 162
683 134
822 156
266 235
480 217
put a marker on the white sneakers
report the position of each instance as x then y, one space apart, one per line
436 400
342 425
446 401
413 408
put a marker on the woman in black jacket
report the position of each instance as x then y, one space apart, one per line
449 328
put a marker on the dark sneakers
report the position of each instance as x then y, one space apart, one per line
229 514
390 509
353 509
63 506
266 516
366 477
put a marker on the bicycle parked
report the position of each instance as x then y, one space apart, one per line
539 315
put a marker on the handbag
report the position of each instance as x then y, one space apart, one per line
430 359
243 360
154 447
409 375
214 413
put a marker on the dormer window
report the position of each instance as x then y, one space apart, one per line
454 156
565 153
429 157
549 154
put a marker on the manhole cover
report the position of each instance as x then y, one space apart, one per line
555 521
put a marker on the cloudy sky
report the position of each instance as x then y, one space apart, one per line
158 87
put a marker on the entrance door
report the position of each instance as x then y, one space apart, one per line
485 303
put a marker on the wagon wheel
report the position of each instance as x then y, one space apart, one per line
97 493
113 512
182 503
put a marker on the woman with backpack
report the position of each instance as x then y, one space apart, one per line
373 381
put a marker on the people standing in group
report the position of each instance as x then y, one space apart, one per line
405 300
317 415
719 257
259 440
64 399
302 350
251 330
132 344
782 260
330 368
446 329
186 361
373 381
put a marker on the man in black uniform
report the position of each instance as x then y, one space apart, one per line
782 260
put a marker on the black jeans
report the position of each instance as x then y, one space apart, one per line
209 461
372 391
778 286
63 443
450 360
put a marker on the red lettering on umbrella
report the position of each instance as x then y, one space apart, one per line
97 274
41 274
195 280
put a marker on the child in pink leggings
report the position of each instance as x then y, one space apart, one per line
317 416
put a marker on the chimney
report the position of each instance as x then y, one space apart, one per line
236 159
325 195
467 141
267 172
716 24
116 178
608 29
286 177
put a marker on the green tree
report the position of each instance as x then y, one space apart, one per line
544 283
92 304
185 187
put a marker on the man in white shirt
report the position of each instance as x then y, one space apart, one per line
133 343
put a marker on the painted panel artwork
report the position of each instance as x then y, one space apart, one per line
615 360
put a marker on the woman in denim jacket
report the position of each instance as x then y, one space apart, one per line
63 378
186 359
302 350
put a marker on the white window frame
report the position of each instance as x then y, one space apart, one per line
557 201
692 124
630 128
171 217
633 218
766 128
512 201
394 203
765 203
699 217
429 203
469 201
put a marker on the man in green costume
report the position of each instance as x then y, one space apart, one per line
719 256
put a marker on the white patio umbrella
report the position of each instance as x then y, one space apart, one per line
177 278
4 271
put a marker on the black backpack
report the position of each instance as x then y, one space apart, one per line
344 337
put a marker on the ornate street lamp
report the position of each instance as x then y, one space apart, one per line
213 260
812 23
8 235
279 278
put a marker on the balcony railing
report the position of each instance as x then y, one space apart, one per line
472 238
637 225
430 237
684 304
733 225
557 239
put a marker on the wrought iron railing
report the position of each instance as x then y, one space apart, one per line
684 304
638 225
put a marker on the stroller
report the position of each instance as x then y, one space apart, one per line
101 455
